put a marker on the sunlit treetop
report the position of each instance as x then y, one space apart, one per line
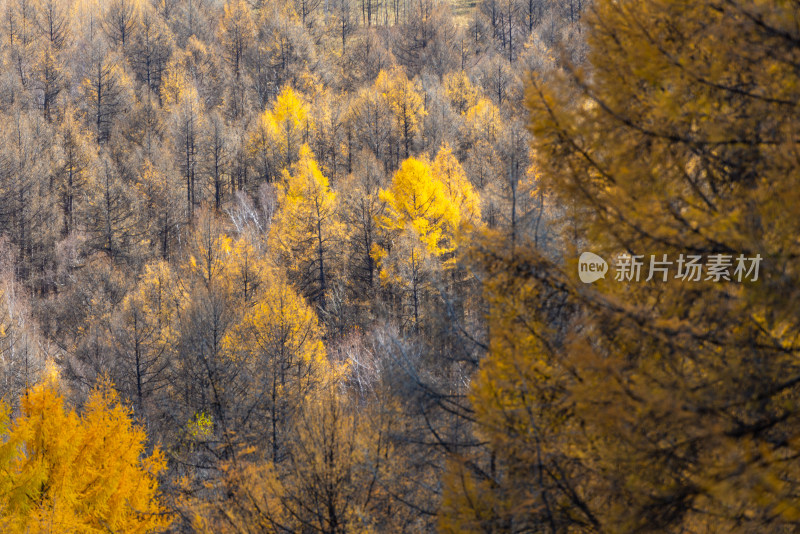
64 472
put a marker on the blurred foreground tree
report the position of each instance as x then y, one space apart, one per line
670 405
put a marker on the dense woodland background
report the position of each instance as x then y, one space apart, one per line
310 266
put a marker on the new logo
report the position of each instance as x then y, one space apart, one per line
591 267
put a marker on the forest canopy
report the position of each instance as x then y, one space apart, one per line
316 266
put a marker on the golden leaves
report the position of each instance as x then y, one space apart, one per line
75 473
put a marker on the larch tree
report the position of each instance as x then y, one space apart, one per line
361 210
369 123
150 49
76 166
449 172
48 78
205 380
53 23
71 473
279 133
417 230
346 20
110 215
20 22
460 91
120 21
332 480
105 87
406 104
22 358
188 130
237 32
283 49
280 340
479 139
307 229
262 148
27 167
162 199
216 158
293 122
144 332
669 405
328 136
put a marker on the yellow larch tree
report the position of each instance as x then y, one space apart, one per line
237 31
262 147
107 88
668 405
144 329
291 115
279 133
279 340
210 251
64 472
449 172
417 227
406 103
460 91
333 480
188 122
307 227
247 269
482 127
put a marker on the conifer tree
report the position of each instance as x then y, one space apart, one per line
72 473
307 228
669 405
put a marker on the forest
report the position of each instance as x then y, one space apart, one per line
321 266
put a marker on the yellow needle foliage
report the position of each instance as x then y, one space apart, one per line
307 227
289 111
405 102
69 473
661 406
332 481
419 203
284 329
449 171
460 91
280 133
425 208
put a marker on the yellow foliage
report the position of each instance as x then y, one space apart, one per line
462 94
405 102
449 171
419 225
237 31
420 204
307 226
331 480
289 110
67 473
211 251
281 324
279 133
201 426
292 121
483 122
660 406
